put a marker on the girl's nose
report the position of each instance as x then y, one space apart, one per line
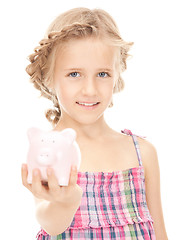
89 86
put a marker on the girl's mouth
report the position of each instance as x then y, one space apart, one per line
87 105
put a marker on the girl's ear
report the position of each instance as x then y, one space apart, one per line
115 87
69 134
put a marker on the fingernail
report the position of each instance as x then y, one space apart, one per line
35 172
23 166
74 168
49 171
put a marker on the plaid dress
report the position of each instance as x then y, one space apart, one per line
113 206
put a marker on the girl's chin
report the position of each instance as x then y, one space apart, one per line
88 120
84 116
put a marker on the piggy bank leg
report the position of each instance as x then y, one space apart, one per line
63 182
63 178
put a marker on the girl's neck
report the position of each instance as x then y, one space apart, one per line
93 131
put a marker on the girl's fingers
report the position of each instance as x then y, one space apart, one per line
24 174
73 176
52 181
37 188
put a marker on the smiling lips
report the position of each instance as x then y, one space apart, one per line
90 105
87 103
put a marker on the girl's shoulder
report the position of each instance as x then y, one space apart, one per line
147 149
126 135
148 152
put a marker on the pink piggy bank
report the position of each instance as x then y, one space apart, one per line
58 150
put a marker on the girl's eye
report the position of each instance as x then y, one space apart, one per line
103 74
74 74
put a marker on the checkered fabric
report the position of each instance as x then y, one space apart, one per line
113 206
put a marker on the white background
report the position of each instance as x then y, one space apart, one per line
146 106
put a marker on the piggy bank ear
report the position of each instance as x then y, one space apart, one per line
33 133
69 134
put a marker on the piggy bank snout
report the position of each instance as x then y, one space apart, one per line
45 156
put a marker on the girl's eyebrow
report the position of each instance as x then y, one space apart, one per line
72 69
79 69
105 69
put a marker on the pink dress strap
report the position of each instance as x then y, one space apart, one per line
136 144
128 132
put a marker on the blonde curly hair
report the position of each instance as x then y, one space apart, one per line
73 24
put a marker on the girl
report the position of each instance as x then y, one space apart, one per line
116 193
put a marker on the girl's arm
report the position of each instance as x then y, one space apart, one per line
54 218
152 186
55 205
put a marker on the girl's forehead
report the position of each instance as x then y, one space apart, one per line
79 50
89 42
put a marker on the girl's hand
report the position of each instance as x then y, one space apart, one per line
52 192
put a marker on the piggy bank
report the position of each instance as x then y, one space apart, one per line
55 149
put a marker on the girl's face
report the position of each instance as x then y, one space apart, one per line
85 73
